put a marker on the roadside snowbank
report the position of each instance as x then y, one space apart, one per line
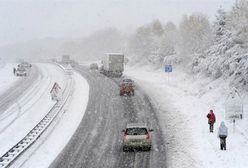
183 102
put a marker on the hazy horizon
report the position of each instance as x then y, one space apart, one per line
24 20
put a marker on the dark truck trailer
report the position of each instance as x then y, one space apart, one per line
127 87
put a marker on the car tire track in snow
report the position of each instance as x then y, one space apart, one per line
11 155
29 117
132 114
98 140
141 110
10 96
27 98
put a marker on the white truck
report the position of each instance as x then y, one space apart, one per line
113 64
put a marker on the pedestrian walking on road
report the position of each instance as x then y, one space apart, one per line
211 120
222 134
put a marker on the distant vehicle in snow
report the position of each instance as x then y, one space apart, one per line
101 69
25 65
94 66
113 64
66 59
73 63
127 87
21 71
137 136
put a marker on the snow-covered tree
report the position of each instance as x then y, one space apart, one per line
220 24
157 28
156 56
222 34
195 33
153 42
228 55
211 60
146 42
239 20
169 42
139 45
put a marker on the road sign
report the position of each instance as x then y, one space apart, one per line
55 87
56 92
168 68
233 106
69 70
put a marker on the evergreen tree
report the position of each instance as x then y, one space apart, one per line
220 24
222 39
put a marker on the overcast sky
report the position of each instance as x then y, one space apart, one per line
22 20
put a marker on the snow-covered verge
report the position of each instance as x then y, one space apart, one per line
182 102
2 63
6 77
51 143
29 109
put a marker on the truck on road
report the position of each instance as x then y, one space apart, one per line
113 64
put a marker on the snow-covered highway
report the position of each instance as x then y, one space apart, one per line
34 102
98 139
29 109
88 133
12 88
57 135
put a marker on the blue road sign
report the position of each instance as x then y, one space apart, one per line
168 68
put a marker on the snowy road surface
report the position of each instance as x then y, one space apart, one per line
54 139
30 107
98 140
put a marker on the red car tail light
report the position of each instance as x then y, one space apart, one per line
125 136
147 136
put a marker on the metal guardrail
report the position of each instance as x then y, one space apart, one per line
12 154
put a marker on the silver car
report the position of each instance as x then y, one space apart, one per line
137 136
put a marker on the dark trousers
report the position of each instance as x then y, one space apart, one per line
211 127
223 142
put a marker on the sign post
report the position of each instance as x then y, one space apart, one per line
69 70
168 69
56 92
233 107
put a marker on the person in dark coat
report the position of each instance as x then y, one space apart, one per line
211 120
222 134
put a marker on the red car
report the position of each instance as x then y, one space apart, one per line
127 87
